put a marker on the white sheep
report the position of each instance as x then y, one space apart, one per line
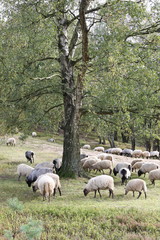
136 160
98 183
23 170
154 175
121 165
146 154
105 156
116 151
46 185
54 176
88 163
146 168
137 165
136 185
11 142
124 174
137 153
100 166
99 149
154 154
34 134
86 146
82 161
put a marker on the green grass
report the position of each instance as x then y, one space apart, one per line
73 216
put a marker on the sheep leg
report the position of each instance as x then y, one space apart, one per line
111 193
110 171
59 191
99 193
133 194
145 194
139 195
19 177
95 193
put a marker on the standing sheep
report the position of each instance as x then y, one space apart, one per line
121 165
126 152
146 154
154 175
136 185
98 183
154 154
137 153
46 185
11 142
30 156
23 170
34 134
116 151
137 165
146 168
86 146
57 164
88 163
99 149
124 174
100 166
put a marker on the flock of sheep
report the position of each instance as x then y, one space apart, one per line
44 176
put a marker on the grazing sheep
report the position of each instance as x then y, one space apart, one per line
137 153
105 164
124 174
45 165
105 156
11 142
116 151
32 177
137 165
23 170
154 154
99 149
146 168
57 164
34 134
136 185
98 183
82 161
30 156
46 185
86 146
146 154
55 177
136 160
88 163
126 152
121 165
154 175
109 150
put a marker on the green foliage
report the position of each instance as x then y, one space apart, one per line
33 229
15 204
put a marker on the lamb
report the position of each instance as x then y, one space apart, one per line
57 164
146 154
154 154
121 165
137 165
34 134
88 163
137 153
32 177
46 185
11 142
116 151
105 164
136 185
46 165
86 146
147 167
124 174
30 156
55 177
126 152
154 175
99 149
101 182
23 170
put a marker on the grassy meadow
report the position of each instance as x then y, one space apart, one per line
72 216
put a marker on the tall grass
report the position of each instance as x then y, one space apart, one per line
73 216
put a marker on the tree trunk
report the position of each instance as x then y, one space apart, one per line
148 145
156 145
111 141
